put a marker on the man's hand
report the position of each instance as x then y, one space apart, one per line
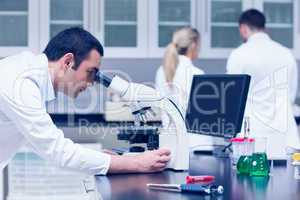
149 161
153 161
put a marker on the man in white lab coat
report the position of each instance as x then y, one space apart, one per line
28 81
273 84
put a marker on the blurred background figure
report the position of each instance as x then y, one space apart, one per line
273 87
175 76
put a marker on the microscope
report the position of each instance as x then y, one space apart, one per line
141 99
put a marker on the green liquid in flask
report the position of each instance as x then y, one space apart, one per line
244 164
259 165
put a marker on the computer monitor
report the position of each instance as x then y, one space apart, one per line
216 104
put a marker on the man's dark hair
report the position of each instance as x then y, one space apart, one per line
74 40
253 18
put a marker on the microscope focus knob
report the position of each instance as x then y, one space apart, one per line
136 149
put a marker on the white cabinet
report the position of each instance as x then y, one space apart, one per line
57 15
122 27
165 17
280 26
282 22
223 17
219 24
19 30
142 28
65 14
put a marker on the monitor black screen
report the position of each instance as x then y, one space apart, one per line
216 104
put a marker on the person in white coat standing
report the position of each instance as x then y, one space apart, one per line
174 78
28 81
273 86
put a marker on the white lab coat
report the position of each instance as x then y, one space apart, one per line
182 81
25 87
273 88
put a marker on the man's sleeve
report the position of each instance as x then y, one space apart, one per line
293 80
25 108
233 64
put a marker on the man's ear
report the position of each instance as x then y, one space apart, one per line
243 31
68 61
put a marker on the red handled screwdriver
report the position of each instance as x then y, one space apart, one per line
199 179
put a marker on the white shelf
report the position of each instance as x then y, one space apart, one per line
177 23
147 26
226 1
224 24
13 13
120 23
279 25
278 1
63 22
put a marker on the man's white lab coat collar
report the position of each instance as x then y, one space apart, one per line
258 36
48 93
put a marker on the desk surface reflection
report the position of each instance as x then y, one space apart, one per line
279 185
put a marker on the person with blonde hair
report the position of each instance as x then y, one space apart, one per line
175 76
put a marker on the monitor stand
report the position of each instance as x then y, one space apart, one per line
209 145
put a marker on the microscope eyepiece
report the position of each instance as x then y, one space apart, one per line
102 79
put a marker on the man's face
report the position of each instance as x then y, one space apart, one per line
244 32
76 81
